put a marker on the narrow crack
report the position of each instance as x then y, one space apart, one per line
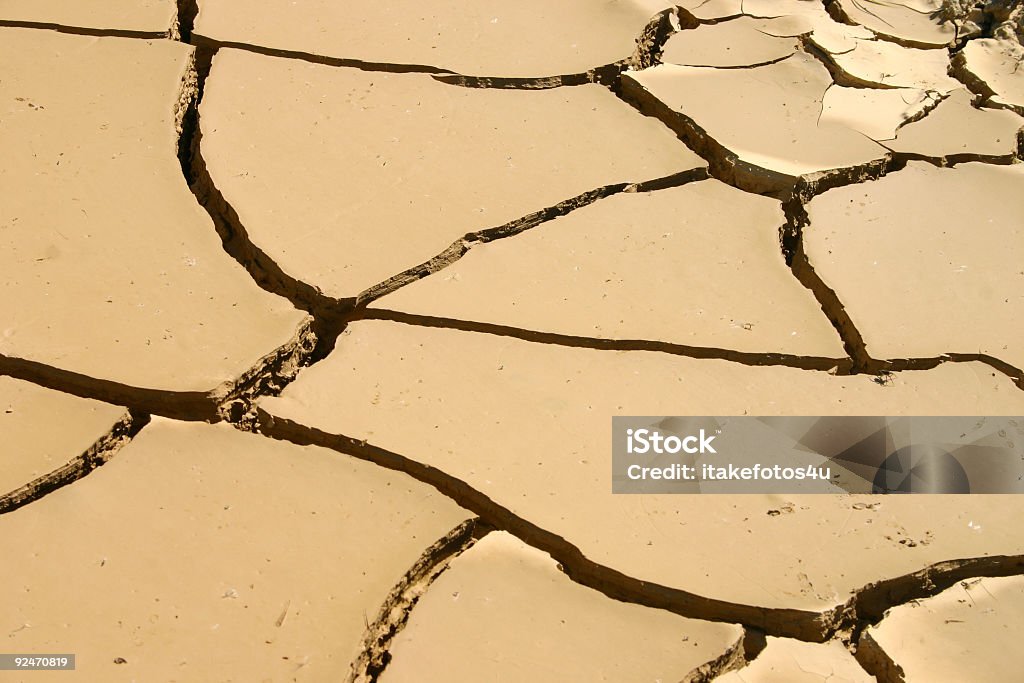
96 456
951 160
934 99
187 406
918 364
461 246
734 67
792 239
85 31
397 608
839 365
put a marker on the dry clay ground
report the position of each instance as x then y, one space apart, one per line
314 316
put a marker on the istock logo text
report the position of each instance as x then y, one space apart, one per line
646 441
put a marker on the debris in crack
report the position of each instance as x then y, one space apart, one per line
98 455
504 611
966 632
272 373
437 383
394 613
184 20
634 266
461 159
41 456
1002 19
651 43
114 274
249 529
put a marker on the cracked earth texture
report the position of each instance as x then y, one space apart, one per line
314 316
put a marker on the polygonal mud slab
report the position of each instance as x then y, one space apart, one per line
740 42
915 23
763 122
698 265
958 131
927 260
805 18
111 267
995 68
533 38
149 16
45 431
970 632
878 64
791 661
877 113
504 612
201 553
527 425
390 169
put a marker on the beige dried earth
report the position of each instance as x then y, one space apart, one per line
37 456
917 271
113 270
520 423
315 315
764 121
966 633
509 614
534 38
637 266
144 16
191 563
396 167
791 661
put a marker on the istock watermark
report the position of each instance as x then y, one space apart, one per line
817 454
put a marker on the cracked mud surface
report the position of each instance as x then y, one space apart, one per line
315 315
